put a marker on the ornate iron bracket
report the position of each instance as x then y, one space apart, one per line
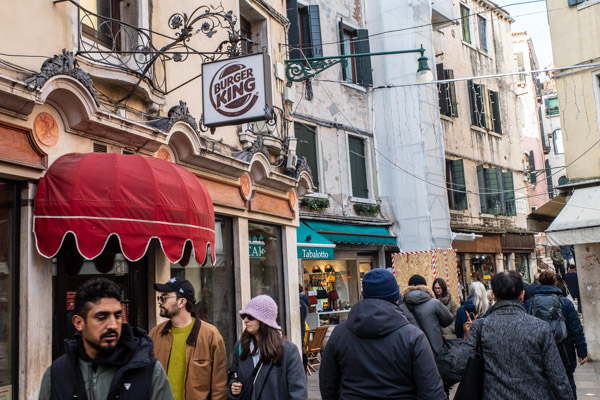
301 69
61 64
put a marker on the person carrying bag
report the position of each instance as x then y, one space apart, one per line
471 382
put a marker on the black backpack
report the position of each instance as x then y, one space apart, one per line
549 309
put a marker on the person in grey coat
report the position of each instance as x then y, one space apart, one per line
264 364
520 357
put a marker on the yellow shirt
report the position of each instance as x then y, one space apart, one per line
176 368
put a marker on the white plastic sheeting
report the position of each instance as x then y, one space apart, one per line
579 220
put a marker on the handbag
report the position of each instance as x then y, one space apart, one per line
333 295
321 292
471 383
312 300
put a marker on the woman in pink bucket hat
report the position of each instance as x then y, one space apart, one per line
265 365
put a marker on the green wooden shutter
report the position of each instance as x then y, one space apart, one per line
482 189
492 185
509 196
465 23
549 179
459 187
542 133
449 74
496 118
473 103
342 51
442 91
364 74
311 28
294 30
358 170
532 172
307 148
486 120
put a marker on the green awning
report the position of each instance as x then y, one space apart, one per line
311 245
352 233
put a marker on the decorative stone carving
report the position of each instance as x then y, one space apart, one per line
61 64
257 147
45 129
301 165
177 113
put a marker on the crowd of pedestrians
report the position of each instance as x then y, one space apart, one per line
413 343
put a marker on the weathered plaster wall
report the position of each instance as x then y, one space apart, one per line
588 275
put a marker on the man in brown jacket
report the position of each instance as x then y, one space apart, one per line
191 351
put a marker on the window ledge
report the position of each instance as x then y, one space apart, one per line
586 4
484 53
478 129
355 86
317 195
361 200
446 118
469 45
492 133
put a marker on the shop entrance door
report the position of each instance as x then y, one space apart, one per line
70 270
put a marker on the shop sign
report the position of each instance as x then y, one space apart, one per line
315 253
257 247
6 392
236 90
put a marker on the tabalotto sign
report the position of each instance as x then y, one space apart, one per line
315 253
236 90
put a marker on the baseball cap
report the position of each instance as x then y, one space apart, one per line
177 285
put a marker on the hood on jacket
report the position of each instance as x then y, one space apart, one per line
470 304
547 289
417 294
373 318
134 347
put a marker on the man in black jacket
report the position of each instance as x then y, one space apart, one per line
376 353
106 359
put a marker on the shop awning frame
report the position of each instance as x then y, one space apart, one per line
541 218
312 245
97 195
337 232
579 220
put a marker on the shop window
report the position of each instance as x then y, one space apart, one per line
455 182
483 267
485 107
465 23
8 286
496 191
305 31
70 270
552 106
266 265
307 148
482 28
358 167
447 92
558 142
214 282
356 41
522 266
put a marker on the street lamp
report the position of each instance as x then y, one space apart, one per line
302 69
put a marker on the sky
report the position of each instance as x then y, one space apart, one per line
532 18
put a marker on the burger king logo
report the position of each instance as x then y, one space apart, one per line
232 90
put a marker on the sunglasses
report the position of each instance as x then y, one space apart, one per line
162 298
244 316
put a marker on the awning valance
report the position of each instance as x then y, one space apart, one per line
579 220
352 233
311 245
96 195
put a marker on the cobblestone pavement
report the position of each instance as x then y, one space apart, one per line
587 379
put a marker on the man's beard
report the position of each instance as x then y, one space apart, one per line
106 348
169 312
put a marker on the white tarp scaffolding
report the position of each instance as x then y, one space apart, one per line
579 220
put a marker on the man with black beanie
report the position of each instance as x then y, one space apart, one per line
376 353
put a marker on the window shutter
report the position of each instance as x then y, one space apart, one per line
509 196
479 109
442 90
500 201
312 31
307 148
532 172
449 74
458 185
486 120
473 103
358 169
491 178
341 33
294 30
549 179
575 2
364 75
542 133
482 188
495 112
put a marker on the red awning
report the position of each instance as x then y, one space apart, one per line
136 198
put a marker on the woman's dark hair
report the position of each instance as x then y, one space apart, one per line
507 285
547 278
270 345
189 306
442 284
93 291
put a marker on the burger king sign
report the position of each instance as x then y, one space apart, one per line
235 90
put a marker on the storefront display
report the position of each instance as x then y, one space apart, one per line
214 282
483 267
522 266
266 265
8 214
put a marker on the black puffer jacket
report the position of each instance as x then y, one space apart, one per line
378 354
420 301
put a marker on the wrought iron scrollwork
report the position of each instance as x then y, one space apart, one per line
301 70
61 64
